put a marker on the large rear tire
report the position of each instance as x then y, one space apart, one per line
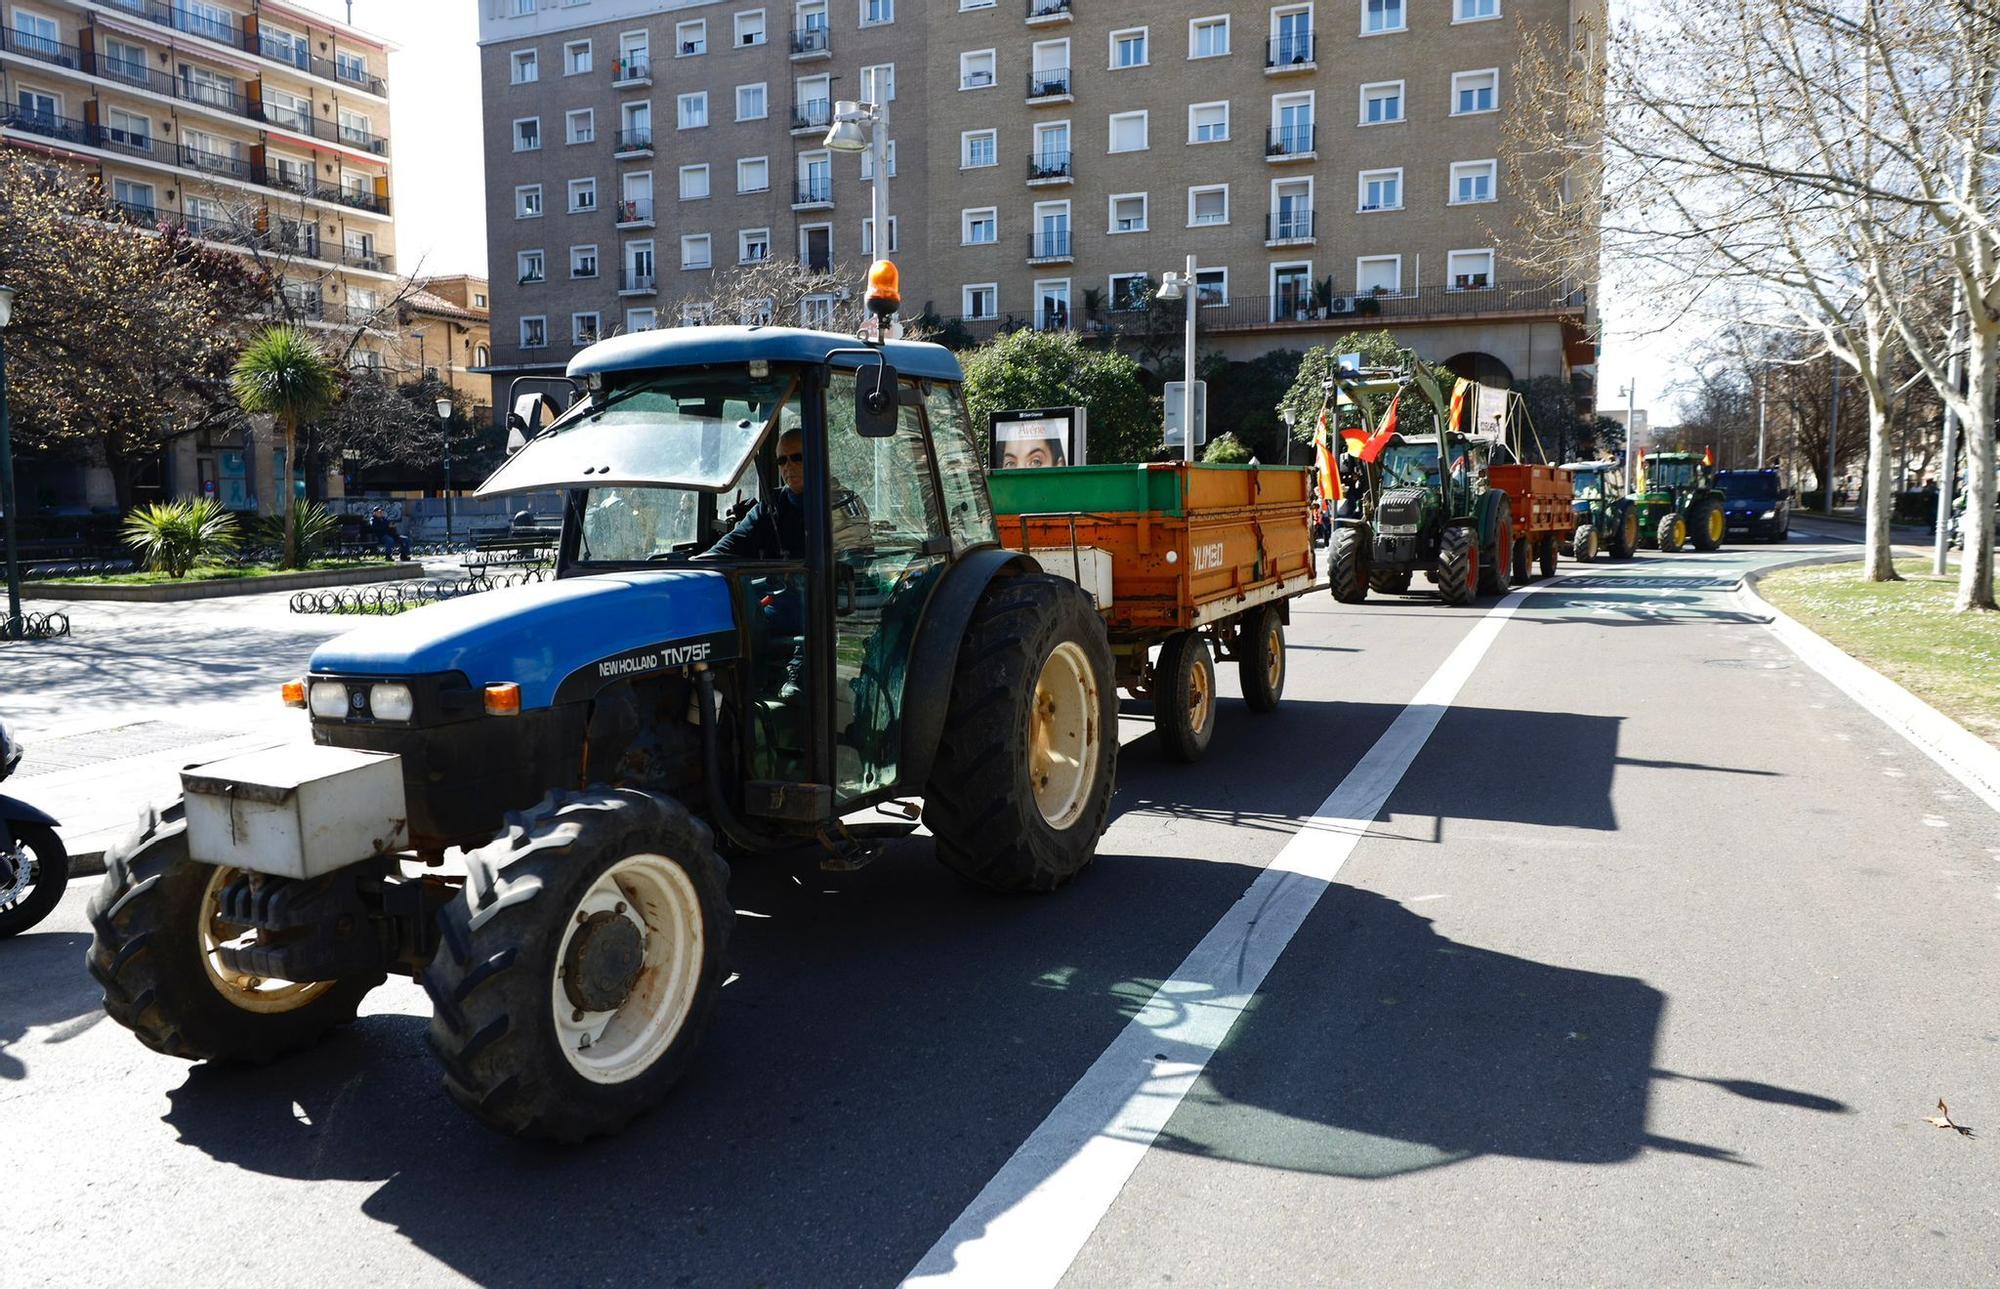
40 871
1497 565
1347 565
1707 525
155 932
1260 658
1458 566
1184 696
1021 791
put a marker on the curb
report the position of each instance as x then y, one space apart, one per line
1957 751
169 593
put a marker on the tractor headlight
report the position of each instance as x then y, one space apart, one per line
391 702
329 700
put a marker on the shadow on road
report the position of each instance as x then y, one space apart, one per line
42 982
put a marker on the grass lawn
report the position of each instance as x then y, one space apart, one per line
1905 630
205 573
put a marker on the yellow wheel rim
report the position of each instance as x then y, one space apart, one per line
251 993
1064 741
1274 655
1201 698
1715 523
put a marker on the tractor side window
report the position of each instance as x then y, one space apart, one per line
632 524
968 511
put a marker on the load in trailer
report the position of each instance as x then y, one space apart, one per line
778 586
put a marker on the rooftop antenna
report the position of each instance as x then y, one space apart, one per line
350 13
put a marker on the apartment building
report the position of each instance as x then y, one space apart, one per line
444 333
1330 164
254 124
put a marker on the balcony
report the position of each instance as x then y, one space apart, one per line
1046 13
283 118
1050 85
366 258
1290 143
813 194
631 71
812 114
1290 55
42 49
128 141
1292 227
633 282
811 43
348 71
356 199
135 213
1049 168
1050 248
215 163
633 145
635 212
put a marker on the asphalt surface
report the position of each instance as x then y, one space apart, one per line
1648 973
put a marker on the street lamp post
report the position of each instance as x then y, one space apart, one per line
444 425
1832 436
1183 286
12 629
864 127
1631 393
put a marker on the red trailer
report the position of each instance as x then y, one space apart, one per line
1540 497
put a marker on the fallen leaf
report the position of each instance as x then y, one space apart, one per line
1942 1119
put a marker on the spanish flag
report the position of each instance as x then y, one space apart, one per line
1371 451
1460 402
1708 456
1329 474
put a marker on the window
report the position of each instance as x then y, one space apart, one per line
695 251
527 65
1381 189
698 315
977 148
694 183
640 269
534 333
1378 16
635 199
750 28
753 102
1381 102
753 245
1052 305
634 57
690 38
693 110
980 301
356 128
582 195
1471 181
1209 205
135 199
583 261
1051 149
642 319
1474 10
636 131
1208 122
481 356
1211 286
293 111
129 129
576 58
975 69
868 237
816 312
350 66
1129 291
1128 213
812 102
868 161
753 174
815 177
1128 132
531 266
1473 92
876 12
583 329
1208 37
1051 237
758 313
979 227
1378 274
528 134
1292 37
528 201
122 58
1292 125
1291 291
1128 47
1469 270
878 83
1291 210
580 126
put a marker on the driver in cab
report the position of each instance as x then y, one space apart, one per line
775 528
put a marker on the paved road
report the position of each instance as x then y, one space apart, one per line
1647 972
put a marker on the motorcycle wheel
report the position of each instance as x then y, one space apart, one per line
33 898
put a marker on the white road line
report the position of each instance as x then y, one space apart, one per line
1030 1222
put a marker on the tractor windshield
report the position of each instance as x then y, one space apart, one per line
1587 485
1410 465
693 428
1667 475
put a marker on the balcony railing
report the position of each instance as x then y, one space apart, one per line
1289 51
628 68
810 40
1291 226
1048 246
1047 167
635 210
1049 82
65 129
139 213
113 139
1048 10
812 114
635 140
1290 141
634 281
356 198
813 192
215 163
41 48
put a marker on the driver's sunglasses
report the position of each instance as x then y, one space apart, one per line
786 458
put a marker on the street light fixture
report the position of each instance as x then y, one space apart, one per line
1184 286
444 429
12 628
864 127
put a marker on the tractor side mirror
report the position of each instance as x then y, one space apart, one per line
875 401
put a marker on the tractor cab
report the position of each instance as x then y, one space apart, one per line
1678 501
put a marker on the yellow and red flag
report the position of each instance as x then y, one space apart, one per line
1708 456
1460 401
1329 473
1372 449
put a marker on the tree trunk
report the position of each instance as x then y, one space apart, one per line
1975 573
290 556
1879 565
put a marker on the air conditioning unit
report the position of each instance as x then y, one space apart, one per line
1340 304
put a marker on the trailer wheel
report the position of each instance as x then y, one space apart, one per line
1184 696
1548 560
1458 565
1260 660
578 971
1021 791
1626 539
1347 566
1523 560
153 947
1584 548
1493 570
1389 583
1673 532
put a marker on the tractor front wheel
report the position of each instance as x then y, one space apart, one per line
1184 696
1548 556
1673 532
1458 565
1389 583
1260 658
1583 548
1626 539
1707 526
1022 788
1347 565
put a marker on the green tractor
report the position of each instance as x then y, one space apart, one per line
1678 502
1606 519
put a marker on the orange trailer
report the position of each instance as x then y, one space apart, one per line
1541 497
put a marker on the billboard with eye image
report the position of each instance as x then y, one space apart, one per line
1045 436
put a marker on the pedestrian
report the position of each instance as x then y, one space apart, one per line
387 539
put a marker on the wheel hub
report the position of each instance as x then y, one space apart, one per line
603 961
17 873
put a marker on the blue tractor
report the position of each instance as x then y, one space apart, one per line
779 601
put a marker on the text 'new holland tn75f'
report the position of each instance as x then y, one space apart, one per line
694 679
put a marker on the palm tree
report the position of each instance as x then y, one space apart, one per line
282 373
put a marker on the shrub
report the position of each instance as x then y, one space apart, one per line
314 530
172 537
1055 369
1227 450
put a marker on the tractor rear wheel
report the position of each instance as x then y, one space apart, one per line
1184 696
1706 525
1021 791
154 947
1260 658
1523 561
1583 548
1499 562
1347 565
1548 559
1626 539
1458 565
578 970
1389 583
1673 532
